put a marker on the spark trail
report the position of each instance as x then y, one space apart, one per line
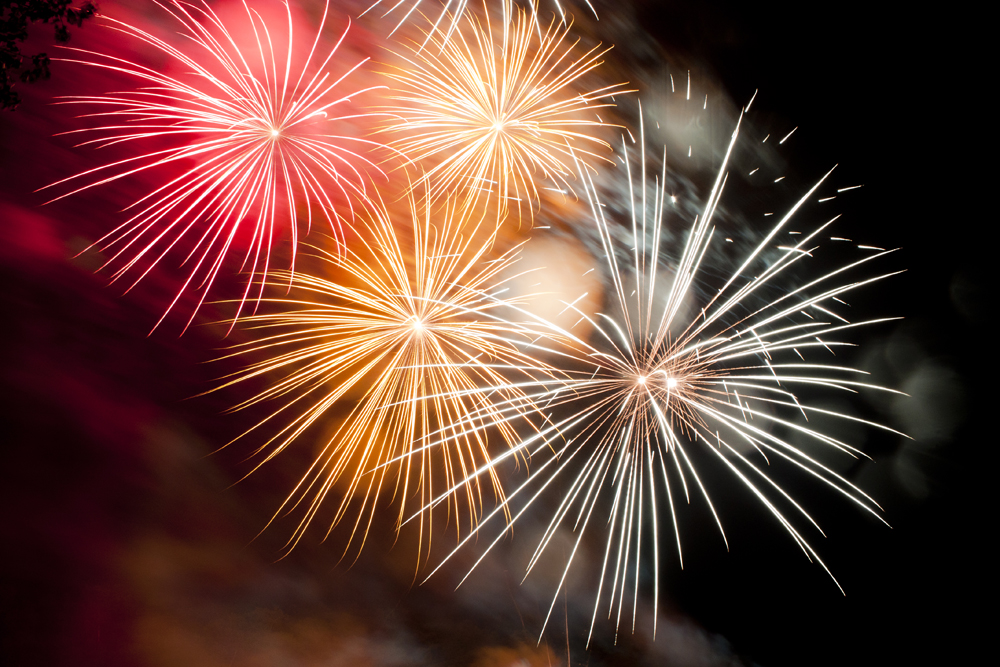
451 13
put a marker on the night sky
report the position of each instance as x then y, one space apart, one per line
130 539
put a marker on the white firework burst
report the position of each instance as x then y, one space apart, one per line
675 375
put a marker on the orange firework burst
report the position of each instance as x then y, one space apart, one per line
489 113
421 336
246 127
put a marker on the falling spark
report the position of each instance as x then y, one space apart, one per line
677 379
246 133
421 335
488 114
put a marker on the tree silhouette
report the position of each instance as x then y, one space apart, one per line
15 16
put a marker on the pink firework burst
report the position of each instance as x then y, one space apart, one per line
240 138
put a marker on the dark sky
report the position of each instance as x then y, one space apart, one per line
126 541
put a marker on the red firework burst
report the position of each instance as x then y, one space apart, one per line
246 124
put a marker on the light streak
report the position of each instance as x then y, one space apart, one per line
238 139
489 112
420 335
678 379
452 12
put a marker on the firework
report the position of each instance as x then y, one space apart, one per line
239 139
452 11
421 336
490 114
675 378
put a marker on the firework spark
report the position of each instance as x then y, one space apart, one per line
247 133
422 339
670 384
454 10
487 118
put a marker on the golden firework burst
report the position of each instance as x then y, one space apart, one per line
497 110
410 336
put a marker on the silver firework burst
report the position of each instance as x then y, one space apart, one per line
675 377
